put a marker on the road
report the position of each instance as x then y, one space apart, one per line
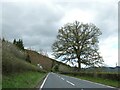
58 81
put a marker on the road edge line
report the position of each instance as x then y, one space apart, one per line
44 82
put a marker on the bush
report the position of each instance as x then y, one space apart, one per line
55 68
28 58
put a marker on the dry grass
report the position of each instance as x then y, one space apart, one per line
13 60
46 62
37 58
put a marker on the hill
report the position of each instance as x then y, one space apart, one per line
46 62
16 71
13 60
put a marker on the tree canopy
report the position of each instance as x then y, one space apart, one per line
78 42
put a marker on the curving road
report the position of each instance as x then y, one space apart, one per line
59 81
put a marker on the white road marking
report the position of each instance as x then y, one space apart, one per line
44 81
62 78
90 81
70 82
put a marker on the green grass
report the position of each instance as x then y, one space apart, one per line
22 80
109 82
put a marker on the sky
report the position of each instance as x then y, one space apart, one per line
37 22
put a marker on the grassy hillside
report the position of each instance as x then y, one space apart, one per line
16 71
37 58
46 62
13 60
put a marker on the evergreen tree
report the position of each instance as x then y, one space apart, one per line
19 44
14 42
3 40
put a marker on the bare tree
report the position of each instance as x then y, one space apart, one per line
41 51
78 42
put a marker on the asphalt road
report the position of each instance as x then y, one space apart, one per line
54 80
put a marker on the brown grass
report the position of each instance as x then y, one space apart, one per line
46 62
13 60
37 58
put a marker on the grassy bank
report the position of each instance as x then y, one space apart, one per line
22 80
16 71
109 82
14 60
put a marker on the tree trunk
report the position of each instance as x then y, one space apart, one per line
79 64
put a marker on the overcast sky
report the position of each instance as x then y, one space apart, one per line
37 23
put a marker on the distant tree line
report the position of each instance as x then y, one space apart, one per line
19 43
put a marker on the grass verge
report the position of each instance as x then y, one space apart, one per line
113 83
22 80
